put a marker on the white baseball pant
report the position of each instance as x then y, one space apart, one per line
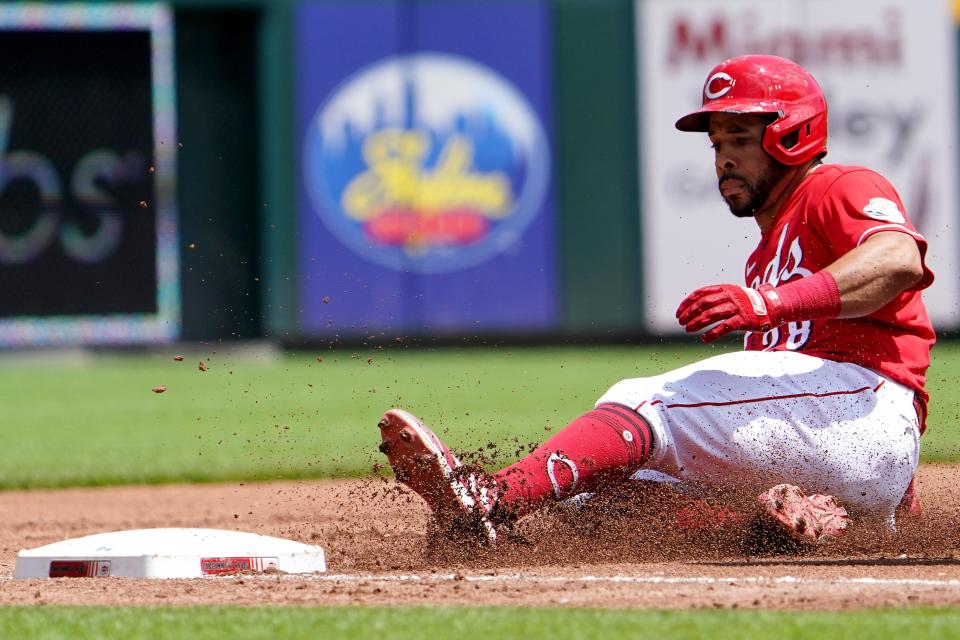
753 419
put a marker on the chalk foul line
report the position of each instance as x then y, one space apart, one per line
625 579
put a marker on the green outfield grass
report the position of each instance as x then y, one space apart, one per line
88 420
76 623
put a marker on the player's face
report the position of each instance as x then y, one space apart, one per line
746 172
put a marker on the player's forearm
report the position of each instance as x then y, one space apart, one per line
859 283
872 275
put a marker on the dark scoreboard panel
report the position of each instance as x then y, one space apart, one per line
77 212
85 207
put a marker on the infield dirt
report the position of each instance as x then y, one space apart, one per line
618 553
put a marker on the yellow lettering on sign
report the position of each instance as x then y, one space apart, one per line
396 178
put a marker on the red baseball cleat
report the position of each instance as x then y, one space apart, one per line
806 519
458 496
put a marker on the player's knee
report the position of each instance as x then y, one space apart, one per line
630 393
616 394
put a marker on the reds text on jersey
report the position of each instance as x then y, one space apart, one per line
834 210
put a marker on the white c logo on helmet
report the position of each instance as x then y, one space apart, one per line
727 85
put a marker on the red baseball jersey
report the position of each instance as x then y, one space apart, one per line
835 209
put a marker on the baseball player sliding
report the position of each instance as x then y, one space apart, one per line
823 410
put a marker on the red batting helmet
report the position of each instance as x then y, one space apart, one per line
768 84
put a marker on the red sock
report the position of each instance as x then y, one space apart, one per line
601 447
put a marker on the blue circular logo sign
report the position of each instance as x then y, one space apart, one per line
427 163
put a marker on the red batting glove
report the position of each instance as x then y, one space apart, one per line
735 308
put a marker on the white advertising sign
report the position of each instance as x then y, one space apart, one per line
887 68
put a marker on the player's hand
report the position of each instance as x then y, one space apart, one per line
734 308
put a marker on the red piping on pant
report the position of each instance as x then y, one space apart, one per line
764 399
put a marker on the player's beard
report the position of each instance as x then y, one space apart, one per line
758 191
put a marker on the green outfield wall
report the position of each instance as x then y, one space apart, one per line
596 148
